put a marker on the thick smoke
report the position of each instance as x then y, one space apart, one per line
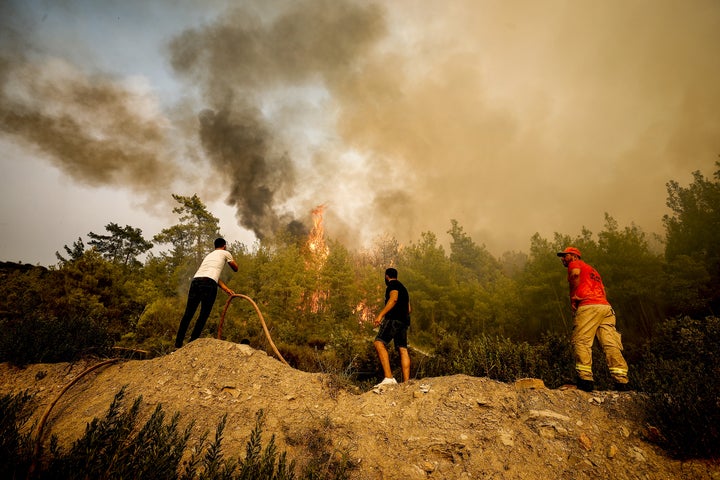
239 63
236 142
97 129
510 118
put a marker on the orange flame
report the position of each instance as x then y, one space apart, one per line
319 252
316 240
362 310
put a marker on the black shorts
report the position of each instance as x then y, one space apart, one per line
393 330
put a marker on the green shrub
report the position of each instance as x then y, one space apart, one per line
15 442
554 360
160 320
113 447
39 339
502 359
116 447
261 464
679 373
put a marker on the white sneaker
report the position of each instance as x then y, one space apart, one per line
386 382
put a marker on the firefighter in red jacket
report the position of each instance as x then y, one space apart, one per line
594 317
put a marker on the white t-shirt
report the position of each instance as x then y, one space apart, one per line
213 264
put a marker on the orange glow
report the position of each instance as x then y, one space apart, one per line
319 252
316 240
363 312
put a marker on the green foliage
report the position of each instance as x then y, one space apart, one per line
16 445
542 292
680 372
336 283
95 289
476 262
632 275
159 321
693 230
502 359
259 463
687 285
191 238
694 225
284 279
122 246
117 447
41 339
77 250
59 314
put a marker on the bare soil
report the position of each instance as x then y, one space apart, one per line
451 427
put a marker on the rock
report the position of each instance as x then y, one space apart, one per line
585 442
612 451
506 438
638 454
529 384
548 414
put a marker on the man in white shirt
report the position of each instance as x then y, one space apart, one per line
203 290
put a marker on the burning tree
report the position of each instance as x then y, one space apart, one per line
318 252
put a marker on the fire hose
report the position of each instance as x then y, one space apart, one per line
262 321
43 420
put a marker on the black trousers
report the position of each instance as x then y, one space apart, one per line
203 292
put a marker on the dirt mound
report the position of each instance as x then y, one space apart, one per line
447 427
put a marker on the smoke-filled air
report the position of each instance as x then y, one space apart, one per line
510 117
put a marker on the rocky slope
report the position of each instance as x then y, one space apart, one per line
447 428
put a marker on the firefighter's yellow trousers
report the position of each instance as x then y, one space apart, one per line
597 321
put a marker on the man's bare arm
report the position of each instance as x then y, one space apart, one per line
225 288
388 306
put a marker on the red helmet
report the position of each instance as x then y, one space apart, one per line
572 250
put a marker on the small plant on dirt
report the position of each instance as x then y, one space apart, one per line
15 442
259 463
324 460
116 447
113 447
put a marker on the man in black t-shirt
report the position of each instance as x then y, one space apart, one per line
394 321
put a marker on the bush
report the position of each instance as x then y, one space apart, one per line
114 447
117 447
554 360
502 359
160 320
39 339
15 442
679 373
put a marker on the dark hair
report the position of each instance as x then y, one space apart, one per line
220 242
391 273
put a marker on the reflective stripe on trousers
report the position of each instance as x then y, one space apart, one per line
593 321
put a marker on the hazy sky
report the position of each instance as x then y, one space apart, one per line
511 117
